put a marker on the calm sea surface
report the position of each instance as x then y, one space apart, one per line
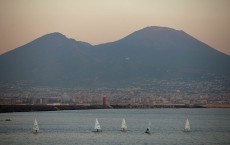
209 127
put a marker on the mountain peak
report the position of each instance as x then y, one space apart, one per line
157 28
54 35
154 31
154 36
51 39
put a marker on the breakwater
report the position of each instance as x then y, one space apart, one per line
29 108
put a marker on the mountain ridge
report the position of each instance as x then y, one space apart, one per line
149 53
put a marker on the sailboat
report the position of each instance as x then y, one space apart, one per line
123 125
35 126
148 128
97 127
187 126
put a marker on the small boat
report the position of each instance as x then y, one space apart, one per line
35 126
8 119
124 125
97 127
148 128
187 126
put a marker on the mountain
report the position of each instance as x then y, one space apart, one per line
161 52
147 54
48 60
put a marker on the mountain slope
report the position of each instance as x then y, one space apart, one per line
160 52
149 53
47 59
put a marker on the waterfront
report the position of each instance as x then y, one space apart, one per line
209 126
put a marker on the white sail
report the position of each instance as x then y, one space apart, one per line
124 125
187 126
97 126
35 126
148 128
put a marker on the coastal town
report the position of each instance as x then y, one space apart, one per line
152 93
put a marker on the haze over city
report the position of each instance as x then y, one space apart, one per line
102 21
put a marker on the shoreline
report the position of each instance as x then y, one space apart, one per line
31 108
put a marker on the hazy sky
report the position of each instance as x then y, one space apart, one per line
100 21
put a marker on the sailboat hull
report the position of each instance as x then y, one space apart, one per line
96 131
147 132
187 130
36 131
124 130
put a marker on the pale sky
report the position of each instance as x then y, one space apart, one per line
101 21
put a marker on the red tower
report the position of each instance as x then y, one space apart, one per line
104 101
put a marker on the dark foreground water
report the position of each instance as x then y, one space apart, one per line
209 127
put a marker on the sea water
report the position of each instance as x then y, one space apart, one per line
209 127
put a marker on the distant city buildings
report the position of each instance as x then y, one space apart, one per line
154 93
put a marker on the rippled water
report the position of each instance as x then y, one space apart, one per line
209 126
